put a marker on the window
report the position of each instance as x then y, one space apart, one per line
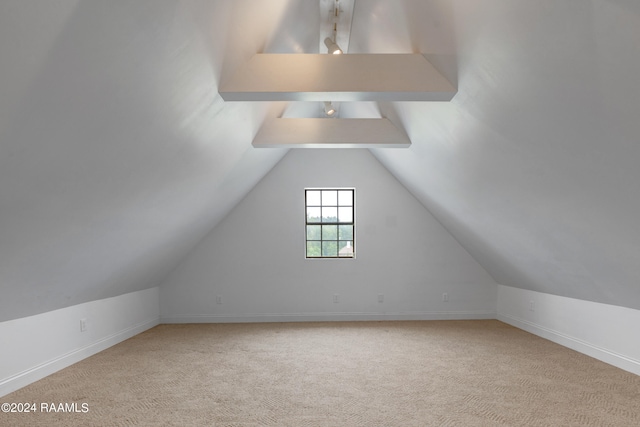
330 222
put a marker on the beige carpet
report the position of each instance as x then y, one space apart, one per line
445 373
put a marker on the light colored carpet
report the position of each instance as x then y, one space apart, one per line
437 373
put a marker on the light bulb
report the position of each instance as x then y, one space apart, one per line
328 109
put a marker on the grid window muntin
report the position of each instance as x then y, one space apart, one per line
330 222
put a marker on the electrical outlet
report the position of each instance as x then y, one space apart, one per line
445 297
532 306
380 297
335 298
83 325
218 299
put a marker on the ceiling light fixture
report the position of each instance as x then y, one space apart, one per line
330 42
328 109
332 47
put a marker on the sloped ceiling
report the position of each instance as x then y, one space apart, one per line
117 154
533 165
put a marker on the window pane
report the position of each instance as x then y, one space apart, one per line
313 214
346 232
330 227
313 198
313 232
329 214
330 248
329 232
329 198
346 249
313 249
345 214
345 198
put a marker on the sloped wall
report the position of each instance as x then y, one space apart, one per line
252 266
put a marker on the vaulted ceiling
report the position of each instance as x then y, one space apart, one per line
117 154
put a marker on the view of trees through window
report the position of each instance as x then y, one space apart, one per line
330 222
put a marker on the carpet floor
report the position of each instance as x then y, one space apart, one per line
418 373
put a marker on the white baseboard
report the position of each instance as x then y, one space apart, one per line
22 379
607 356
326 317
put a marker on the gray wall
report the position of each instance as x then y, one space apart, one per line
254 259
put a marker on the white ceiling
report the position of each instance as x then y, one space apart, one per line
117 154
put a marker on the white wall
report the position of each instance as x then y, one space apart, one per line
606 332
36 346
254 259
